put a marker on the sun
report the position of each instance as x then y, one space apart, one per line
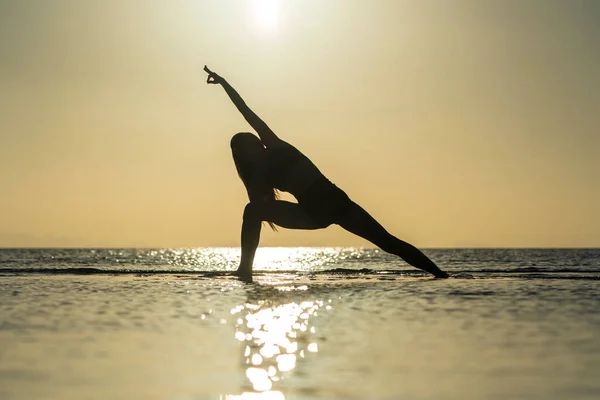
266 14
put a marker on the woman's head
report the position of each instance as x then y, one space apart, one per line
246 146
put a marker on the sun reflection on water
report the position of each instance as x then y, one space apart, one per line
295 258
276 337
268 395
224 259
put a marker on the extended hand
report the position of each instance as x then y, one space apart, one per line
213 77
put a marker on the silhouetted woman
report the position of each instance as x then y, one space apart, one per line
269 164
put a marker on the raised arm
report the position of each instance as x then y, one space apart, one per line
268 137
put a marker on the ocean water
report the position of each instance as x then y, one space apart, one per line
318 323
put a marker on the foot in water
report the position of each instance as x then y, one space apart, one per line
441 275
244 274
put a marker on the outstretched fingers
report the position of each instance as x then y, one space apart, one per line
213 78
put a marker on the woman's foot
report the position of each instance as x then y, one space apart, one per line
441 274
245 274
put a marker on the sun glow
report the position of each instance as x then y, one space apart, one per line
266 14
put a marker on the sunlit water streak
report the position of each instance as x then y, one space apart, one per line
276 336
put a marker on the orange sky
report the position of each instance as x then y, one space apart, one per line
462 123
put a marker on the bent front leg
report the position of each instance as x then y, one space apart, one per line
282 213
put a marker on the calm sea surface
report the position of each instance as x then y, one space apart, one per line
318 323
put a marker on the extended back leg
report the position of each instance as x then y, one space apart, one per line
359 222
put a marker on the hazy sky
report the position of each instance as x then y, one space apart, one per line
454 123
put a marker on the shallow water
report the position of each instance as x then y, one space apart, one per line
518 324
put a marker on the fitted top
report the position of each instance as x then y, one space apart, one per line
288 170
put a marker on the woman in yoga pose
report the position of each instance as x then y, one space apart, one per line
267 164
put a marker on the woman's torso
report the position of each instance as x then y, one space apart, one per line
288 170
